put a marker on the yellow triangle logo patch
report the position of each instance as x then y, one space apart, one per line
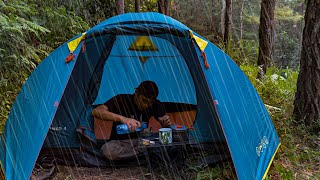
143 59
143 43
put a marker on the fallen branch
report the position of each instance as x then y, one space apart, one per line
272 107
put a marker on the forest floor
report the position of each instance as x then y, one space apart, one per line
191 167
132 173
138 172
85 173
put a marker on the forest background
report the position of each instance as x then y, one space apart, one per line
31 29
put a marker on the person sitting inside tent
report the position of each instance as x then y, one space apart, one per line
132 110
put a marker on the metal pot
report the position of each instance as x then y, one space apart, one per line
179 133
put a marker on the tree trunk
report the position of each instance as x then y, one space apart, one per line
301 28
241 30
120 6
307 100
241 20
228 20
174 9
137 5
164 7
266 35
222 19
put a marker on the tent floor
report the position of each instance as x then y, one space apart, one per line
207 153
71 159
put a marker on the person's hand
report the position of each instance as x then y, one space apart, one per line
131 123
165 121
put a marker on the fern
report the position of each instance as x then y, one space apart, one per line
29 31
3 20
12 30
33 26
8 9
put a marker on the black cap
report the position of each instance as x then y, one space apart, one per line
149 89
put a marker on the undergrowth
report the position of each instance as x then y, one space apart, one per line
299 154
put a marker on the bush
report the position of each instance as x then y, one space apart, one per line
28 33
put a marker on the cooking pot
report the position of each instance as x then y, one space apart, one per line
179 133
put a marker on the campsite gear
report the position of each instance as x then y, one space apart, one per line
70 57
228 109
102 129
165 135
179 133
123 128
43 169
147 133
121 149
146 142
185 115
42 173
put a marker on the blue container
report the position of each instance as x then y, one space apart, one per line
123 128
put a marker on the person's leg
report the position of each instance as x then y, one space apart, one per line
120 149
111 149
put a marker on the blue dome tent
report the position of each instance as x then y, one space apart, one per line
113 58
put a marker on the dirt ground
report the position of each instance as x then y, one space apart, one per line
84 173
132 173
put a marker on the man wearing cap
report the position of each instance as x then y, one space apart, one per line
132 110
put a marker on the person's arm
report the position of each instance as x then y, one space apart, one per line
102 112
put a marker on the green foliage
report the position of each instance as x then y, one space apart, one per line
243 52
278 86
17 33
93 12
299 154
62 24
286 51
150 6
145 6
224 170
286 13
18 57
289 25
252 18
29 31
206 172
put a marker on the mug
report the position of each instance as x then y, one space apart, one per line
165 135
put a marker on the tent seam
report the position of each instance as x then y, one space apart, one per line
266 172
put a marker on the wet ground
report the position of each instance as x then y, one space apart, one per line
84 173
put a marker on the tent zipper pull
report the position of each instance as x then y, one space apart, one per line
83 47
204 56
70 57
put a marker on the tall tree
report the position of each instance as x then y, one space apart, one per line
164 6
120 6
307 100
137 5
222 17
228 20
241 20
266 35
